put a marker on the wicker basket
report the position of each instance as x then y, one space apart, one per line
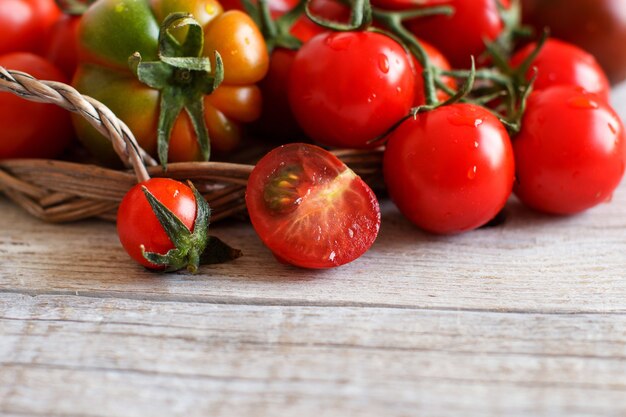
60 191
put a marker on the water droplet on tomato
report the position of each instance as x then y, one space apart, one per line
399 89
471 173
582 102
332 256
476 144
383 63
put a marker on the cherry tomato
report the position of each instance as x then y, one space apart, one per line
561 63
461 35
598 26
138 226
348 88
310 209
570 152
60 46
24 24
29 129
451 169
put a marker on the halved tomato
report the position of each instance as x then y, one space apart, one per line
310 209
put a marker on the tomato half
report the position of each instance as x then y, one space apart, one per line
451 169
561 63
570 153
310 209
346 89
29 129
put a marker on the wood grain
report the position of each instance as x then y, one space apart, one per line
526 319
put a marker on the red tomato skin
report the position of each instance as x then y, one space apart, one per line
25 23
312 235
561 63
346 89
461 35
449 170
29 129
138 225
570 153
61 46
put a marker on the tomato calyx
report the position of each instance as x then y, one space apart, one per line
184 77
191 249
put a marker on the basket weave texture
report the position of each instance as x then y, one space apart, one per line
59 191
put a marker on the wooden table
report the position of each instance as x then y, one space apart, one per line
526 319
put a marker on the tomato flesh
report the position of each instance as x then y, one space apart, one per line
310 209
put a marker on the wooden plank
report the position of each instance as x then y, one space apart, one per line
531 263
68 355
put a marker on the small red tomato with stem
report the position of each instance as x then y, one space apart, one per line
561 63
162 224
570 152
310 209
451 169
348 88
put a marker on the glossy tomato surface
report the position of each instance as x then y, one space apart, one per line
310 209
348 88
29 129
598 26
451 169
24 24
570 152
561 63
462 34
138 226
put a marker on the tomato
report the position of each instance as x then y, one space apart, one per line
561 63
29 129
346 89
138 225
451 169
60 45
25 23
310 209
461 35
112 30
598 26
570 152
439 61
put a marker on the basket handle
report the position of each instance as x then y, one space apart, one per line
96 113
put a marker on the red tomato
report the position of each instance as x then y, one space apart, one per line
29 129
461 35
61 44
570 152
24 24
598 26
348 88
561 63
451 169
310 209
137 224
439 61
